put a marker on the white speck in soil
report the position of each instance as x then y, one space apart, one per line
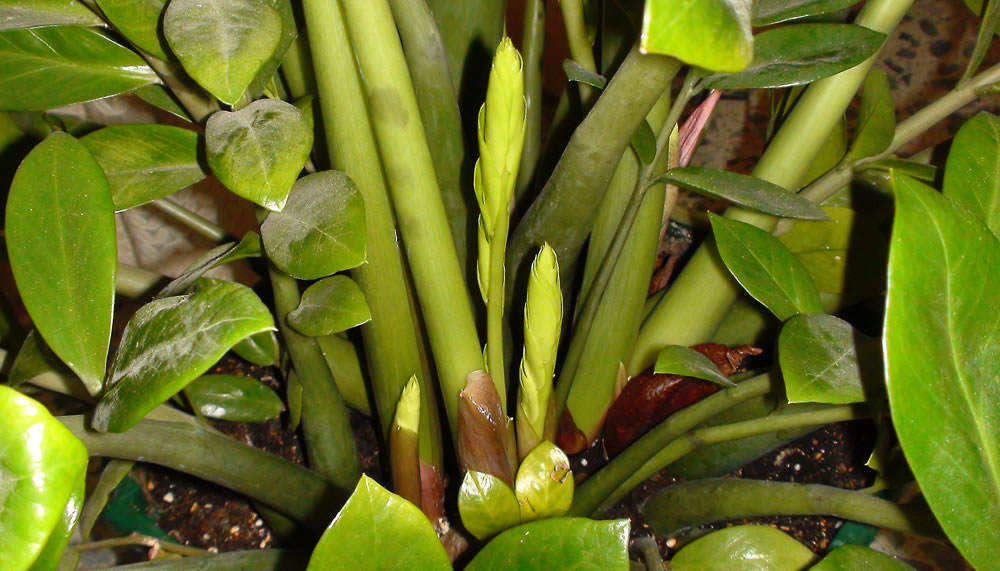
168 497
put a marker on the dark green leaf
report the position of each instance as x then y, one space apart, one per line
170 342
941 344
16 14
765 268
744 547
853 557
321 231
767 12
41 465
139 22
145 162
578 73
331 305
260 349
487 505
558 543
222 254
233 398
157 96
819 360
876 118
259 151
713 34
51 67
644 143
379 530
972 173
544 483
680 360
748 191
223 44
801 53
61 244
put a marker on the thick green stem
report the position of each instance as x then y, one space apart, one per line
296 68
700 297
191 220
285 486
409 168
391 340
532 49
579 44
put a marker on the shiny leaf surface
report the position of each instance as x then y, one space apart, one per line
15 14
52 553
222 254
713 34
766 12
558 543
487 505
544 483
680 360
743 548
876 118
233 398
260 349
748 191
139 22
851 557
819 360
331 305
972 173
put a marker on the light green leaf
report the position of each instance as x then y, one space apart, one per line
578 73
801 53
745 190
15 14
972 173
379 530
744 547
233 398
941 343
220 255
331 305
51 67
259 151
260 349
876 118
680 360
767 12
41 466
145 162
544 483
853 557
61 244
321 231
139 22
765 268
158 96
558 543
288 33
222 44
713 34
487 505
52 553
170 342
819 360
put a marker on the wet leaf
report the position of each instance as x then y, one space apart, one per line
801 53
41 467
851 557
765 268
972 173
145 162
876 118
941 343
767 12
331 305
748 191
680 360
558 543
61 244
379 530
487 505
15 14
220 255
260 349
222 44
744 547
139 22
713 34
321 231
170 342
578 73
51 67
544 484
819 360
234 398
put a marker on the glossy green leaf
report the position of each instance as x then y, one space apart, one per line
680 360
158 96
145 162
544 483
331 305
15 14
767 12
876 118
558 543
379 530
765 268
234 398
972 173
51 67
643 142
713 34
341 358
487 505
41 465
170 342
745 190
259 151
139 22
801 53
744 547
941 344
321 231
222 254
52 553
222 44
61 244
853 557
819 361
260 349
578 73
